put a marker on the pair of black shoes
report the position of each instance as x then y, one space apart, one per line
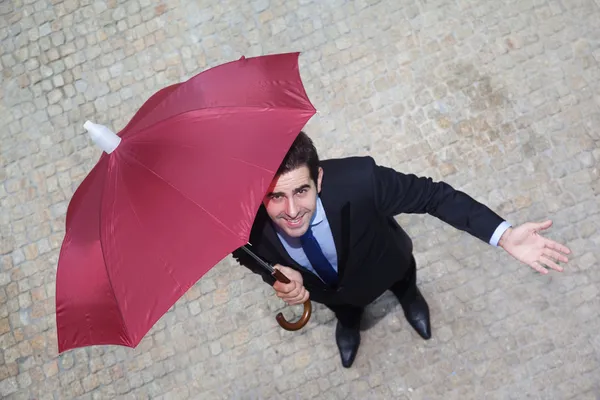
416 312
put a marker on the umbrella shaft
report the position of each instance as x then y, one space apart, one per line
264 264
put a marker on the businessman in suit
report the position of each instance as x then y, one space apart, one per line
329 226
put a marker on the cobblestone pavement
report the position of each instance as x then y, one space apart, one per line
499 98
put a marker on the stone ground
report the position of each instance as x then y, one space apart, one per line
499 98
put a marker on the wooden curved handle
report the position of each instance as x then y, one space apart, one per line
292 326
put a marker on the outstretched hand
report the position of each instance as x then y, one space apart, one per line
526 245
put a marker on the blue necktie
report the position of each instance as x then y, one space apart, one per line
317 259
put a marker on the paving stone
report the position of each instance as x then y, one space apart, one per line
500 99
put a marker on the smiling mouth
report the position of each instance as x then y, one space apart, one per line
294 222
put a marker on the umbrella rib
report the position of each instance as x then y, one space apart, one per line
108 275
135 131
251 164
184 196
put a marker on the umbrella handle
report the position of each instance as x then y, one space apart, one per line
292 326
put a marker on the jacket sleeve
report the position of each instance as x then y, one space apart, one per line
247 261
396 193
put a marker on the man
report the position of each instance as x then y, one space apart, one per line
329 226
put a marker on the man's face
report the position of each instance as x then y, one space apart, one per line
291 200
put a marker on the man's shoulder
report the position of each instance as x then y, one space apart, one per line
350 172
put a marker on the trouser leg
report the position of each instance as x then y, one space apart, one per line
406 288
348 315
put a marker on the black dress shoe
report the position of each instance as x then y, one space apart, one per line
416 312
348 340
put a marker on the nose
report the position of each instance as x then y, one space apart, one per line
291 208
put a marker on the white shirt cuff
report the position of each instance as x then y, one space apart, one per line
498 233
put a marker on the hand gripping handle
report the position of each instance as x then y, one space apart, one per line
292 326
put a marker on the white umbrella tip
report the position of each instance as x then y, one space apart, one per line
104 138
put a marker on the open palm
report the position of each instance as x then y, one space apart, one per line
526 245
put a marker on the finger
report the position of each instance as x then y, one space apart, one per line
299 299
543 225
551 264
282 287
551 244
538 267
292 300
287 298
555 255
285 288
291 295
306 297
296 294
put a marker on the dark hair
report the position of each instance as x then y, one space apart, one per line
301 153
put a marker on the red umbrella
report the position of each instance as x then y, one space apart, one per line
174 193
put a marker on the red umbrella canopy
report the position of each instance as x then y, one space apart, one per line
173 194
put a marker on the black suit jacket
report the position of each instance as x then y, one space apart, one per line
360 200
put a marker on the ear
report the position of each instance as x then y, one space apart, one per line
319 180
